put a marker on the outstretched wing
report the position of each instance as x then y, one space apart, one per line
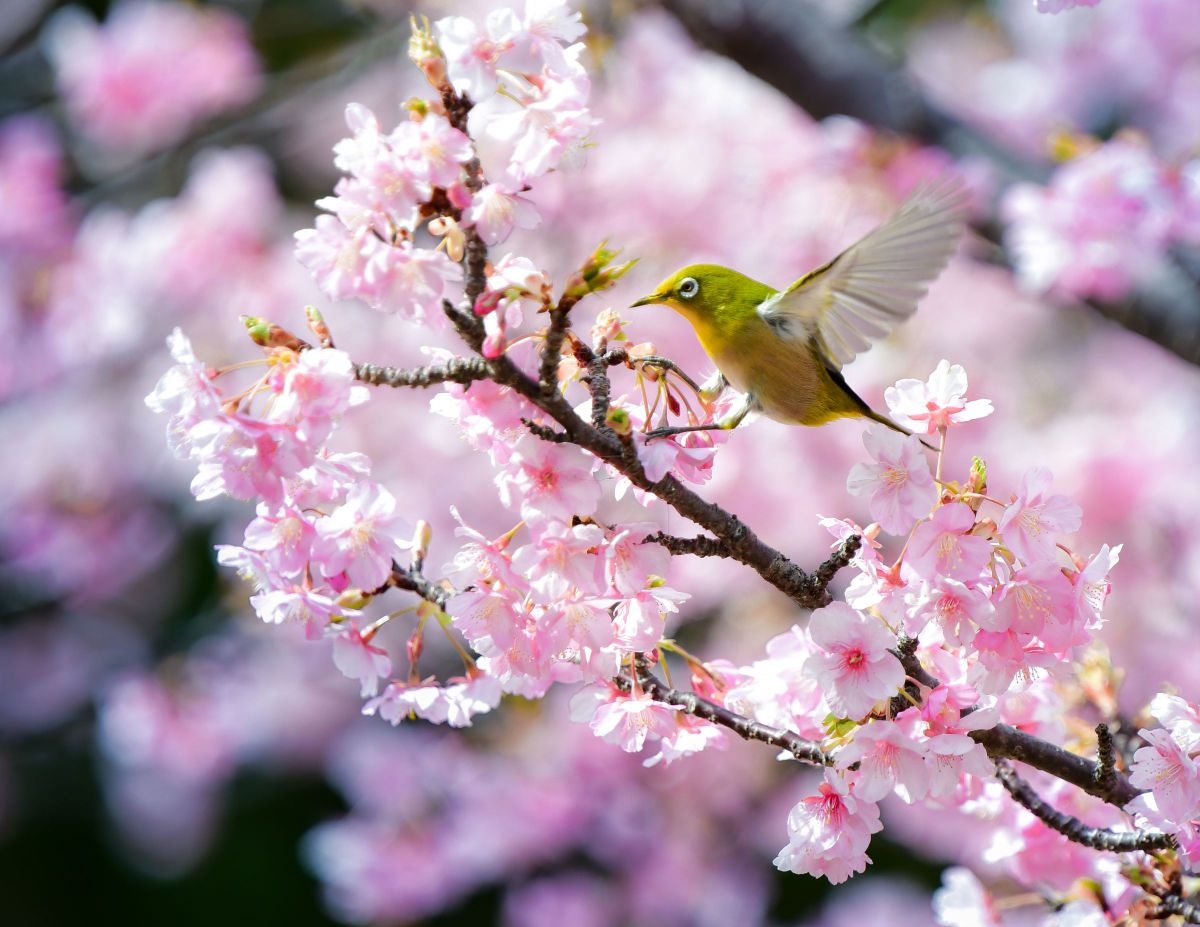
875 284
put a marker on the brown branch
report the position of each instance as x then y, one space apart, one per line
458 370
696 547
1106 757
1175 905
1006 742
1074 829
806 751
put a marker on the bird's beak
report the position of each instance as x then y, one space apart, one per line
648 300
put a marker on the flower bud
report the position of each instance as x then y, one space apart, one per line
618 421
426 54
607 327
422 535
269 335
354 599
596 274
316 325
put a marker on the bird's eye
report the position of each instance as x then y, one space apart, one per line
688 287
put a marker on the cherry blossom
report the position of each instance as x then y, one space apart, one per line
939 402
851 660
899 483
355 656
141 79
828 833
962 901
1166 769
941 546
496 210
888 759
362 536
628 721
1035 518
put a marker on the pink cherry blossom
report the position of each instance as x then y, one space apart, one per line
496 210
481 558
638 619
472 53
898 483
888 759
777 691
455 704
362 536
436 149
629 720
245 458
941 547
1092 585
358 659
547 481
828 833
296 603
852 663
336 257
1180 717
691 736
151 71
562 558
949 757
954 607
1163 767
411 282
1037 602
962 901
317 387
630 563
939 402
284 536
1034 520
1098 228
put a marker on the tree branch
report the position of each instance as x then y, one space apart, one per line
1175 905
462 370
806 751
1074 829
696 547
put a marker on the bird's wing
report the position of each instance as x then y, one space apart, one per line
875 284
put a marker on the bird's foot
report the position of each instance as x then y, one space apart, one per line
680 430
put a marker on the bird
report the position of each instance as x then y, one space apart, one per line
784 349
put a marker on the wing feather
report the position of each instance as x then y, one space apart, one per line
876 283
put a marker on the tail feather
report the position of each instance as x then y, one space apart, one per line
874 416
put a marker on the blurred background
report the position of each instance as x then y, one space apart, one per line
164 758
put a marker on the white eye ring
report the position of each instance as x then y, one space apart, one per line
688 287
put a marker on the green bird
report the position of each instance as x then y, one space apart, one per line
784 349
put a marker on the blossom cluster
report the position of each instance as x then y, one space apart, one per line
565 595
150 72
1105 221
986 594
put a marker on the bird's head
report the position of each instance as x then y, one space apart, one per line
702 292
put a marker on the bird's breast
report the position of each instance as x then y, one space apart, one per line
785 375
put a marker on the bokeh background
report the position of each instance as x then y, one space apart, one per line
165 759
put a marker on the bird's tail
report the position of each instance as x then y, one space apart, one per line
874 416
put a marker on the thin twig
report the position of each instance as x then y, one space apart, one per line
1074 829
462 370
1175 905
697 547
806 751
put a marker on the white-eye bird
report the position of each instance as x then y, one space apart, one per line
784 349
